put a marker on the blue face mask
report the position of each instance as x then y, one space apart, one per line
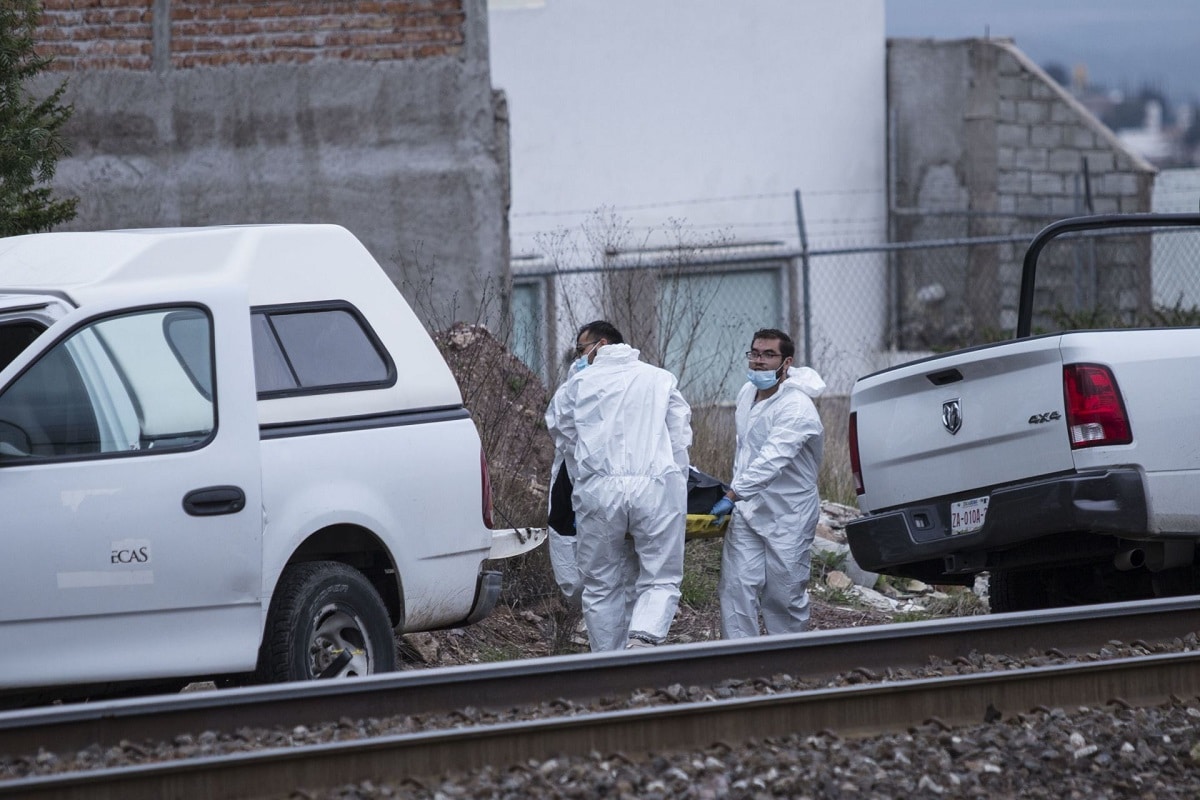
578 364
763 378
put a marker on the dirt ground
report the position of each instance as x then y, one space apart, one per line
509 633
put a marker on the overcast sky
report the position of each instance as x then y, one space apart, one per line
1123 43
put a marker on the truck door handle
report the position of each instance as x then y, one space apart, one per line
213 500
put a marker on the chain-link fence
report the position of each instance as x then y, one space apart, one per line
854 310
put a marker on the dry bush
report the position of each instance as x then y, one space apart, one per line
836 482
507 402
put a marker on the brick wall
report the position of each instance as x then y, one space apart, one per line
123 34
97 34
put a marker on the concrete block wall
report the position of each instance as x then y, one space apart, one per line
984 143
378 116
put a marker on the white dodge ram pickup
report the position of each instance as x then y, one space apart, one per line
226 453
1065 465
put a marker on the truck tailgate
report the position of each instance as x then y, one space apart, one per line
927 424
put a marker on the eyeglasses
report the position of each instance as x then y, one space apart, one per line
760 355
582 348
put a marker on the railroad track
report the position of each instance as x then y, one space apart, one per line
849 711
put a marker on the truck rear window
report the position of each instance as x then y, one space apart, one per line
316 348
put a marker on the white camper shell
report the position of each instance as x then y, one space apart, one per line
227 451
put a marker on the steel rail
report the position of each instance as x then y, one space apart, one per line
850 712
586 677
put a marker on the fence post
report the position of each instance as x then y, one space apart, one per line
804 272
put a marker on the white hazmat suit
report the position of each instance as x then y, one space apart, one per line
767 554
624 429
563 559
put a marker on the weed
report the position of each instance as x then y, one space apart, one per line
701 571
954 601
825 562
566 622
836 597
491 653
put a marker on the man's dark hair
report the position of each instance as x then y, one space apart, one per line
787 348
600 329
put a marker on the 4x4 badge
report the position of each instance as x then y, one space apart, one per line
952 415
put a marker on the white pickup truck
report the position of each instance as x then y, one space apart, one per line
1065 465
227 453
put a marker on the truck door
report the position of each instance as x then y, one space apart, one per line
130 488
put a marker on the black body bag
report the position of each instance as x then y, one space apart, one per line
703 493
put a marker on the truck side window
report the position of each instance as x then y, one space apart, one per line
15 337
117 385
318 348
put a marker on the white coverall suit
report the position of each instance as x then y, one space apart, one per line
624 429
767 554
563 560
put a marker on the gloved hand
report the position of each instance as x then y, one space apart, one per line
722 509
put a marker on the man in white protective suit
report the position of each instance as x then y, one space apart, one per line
766 557
624 429
562 538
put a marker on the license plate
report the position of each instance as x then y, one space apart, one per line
968 515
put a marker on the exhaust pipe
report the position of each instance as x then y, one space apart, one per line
1130 559
1156 556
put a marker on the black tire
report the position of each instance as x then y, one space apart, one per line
1017 590
326 620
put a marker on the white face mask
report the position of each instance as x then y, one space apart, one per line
763 378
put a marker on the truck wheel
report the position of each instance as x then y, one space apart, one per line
1017 590
326 621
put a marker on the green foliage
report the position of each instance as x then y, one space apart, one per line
954 601
834 597
1086 319
30 140
826 561
701 570
1176 316
495 654
1159 316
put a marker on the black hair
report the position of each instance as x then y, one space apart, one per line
601 329
787 348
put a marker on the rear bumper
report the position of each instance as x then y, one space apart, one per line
509 542
1105 502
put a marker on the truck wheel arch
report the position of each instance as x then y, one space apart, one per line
361 549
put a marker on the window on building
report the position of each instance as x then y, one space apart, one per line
706 320
529 324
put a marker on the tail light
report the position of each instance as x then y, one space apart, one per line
855 464
486 485
1095 411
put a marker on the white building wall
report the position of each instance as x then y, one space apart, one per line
698 119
